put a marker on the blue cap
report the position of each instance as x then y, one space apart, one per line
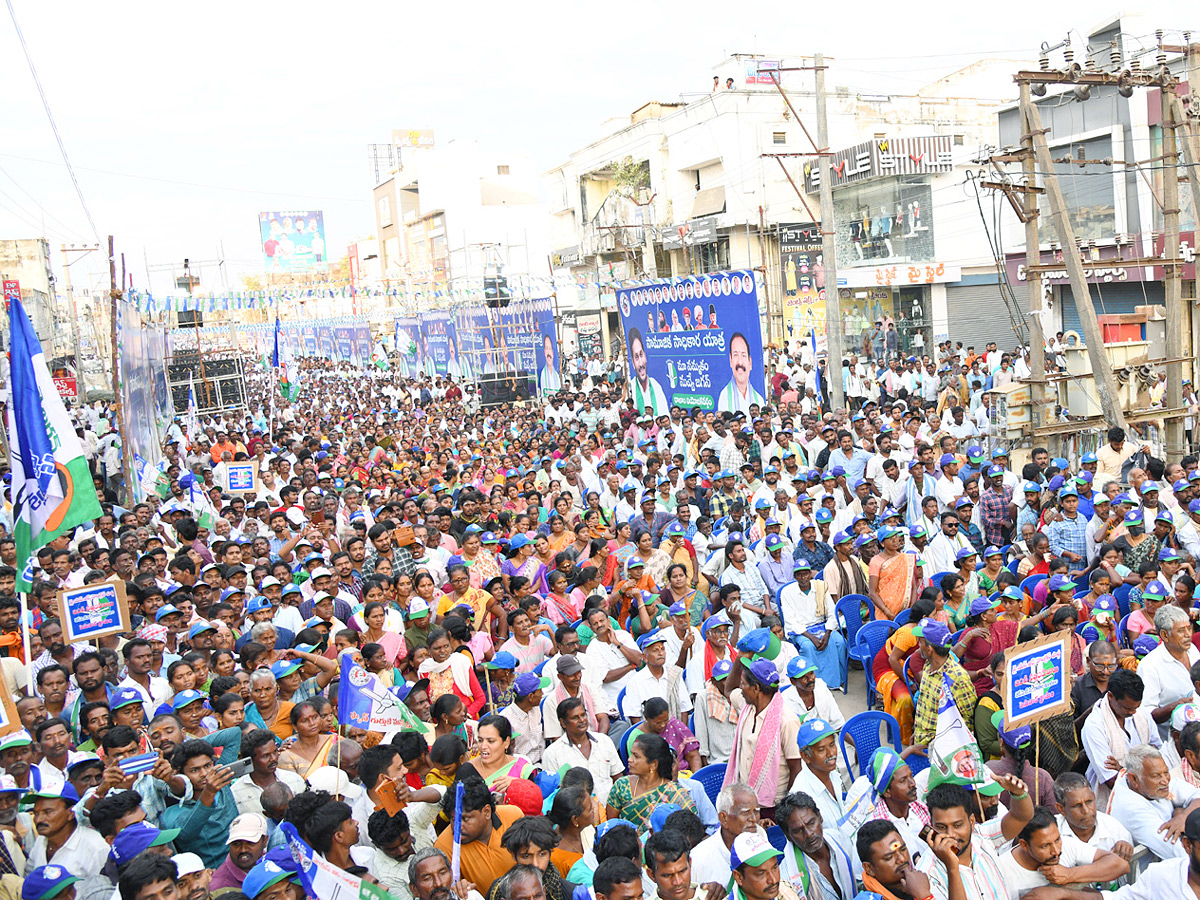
1060 583
264 874
1104 604
975 454
652 637
257 604
1031 487
200 628
525 684
284 667
135 839
755 641
64 791
1089 458
1013 737
1194 506
981 604
1167 554
1055 483
823 515
183 698
658 818
863 539
716 620
721 669
517 541
125 697
992 551
502 660
1155 589
608 825
964 552
1164 515
1181 484
946 459
1012 592
800 564
994 471
798 667
842 537
999 452
46 882
164 611
963 501
813 730
933 631
1067 491
774 541
763 671
837 472
917 531
1134 517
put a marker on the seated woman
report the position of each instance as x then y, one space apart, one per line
495 762
964 563
993 565
656 719
975 647
988 704
572 813
1099 585
650 782
954 595
888 666
311 748
451 673
1141 621
449 716
1008 622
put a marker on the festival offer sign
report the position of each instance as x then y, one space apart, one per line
696 342
93 611
1036 681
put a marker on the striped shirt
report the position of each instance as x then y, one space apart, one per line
981 880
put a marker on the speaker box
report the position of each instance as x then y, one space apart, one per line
191 319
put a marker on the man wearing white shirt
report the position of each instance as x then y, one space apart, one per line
612 652
949 487
1117 712
944 547
579 747
1148 798
1080 818
658 679
1165 670
1041 845
525 716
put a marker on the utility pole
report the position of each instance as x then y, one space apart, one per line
80 385
1172 271
833 309
1102 373
114 294
1033 251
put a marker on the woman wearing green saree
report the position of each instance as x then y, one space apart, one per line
649 783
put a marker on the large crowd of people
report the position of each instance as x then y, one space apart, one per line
626 644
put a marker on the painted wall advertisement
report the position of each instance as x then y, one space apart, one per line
292 241
801 260
694 343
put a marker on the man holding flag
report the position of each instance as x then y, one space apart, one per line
942 679
52 489
281 361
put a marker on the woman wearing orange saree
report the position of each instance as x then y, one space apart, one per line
888 669
892 575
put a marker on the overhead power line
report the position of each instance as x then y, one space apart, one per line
49 115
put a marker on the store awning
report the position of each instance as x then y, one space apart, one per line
708 202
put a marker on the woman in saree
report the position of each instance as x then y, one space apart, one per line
495 762
560 536
954 594
888 666
680 551
266 709
623 547
479 561
654 561
1008 622
1136 546
522 562
311 748
451 673
559 605
975 647
892 575
464 593
650 782
964 564
585 584
993 565
678 589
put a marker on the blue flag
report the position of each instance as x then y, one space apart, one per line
275 355
812 338
365 703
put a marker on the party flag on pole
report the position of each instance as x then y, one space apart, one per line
52 488
953 752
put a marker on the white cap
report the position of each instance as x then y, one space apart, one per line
295 516
417 607
269 581
320 572
188 864
248 827
335 781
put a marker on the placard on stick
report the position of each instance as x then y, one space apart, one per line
1037 682
242 477
9 720
93 611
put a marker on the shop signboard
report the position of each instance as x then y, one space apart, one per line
883 157
695 342
801 261
1102 265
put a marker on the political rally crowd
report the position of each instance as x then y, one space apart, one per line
619 645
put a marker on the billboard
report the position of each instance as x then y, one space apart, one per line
292 240
695 343
802 263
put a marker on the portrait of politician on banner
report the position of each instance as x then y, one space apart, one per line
697 343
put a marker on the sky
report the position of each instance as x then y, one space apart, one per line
184 121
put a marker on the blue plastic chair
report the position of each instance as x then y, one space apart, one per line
936 578
869 641
1031 582
903 617
849 612
711 776
864 729
692 722
1122 634
777 838
917 761
1121 595
621 704
1012 567
909 680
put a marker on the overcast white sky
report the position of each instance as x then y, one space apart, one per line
184 120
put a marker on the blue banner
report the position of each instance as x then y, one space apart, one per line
696 343
435 353
406 340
